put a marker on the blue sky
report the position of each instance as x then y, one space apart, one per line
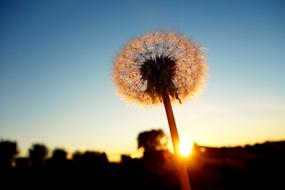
56 62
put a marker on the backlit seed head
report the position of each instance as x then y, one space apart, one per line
158 64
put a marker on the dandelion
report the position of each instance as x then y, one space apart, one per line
161 67
159 64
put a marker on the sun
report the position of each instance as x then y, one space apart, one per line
185 148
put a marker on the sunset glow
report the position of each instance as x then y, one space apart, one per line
185 148
142 95
55 73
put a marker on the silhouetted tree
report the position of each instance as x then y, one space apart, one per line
76 156
95 158
157 162
59 154
90 160
22 164
8 151
152 140
38 154
125 159
59 158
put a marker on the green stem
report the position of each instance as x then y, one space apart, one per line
182 171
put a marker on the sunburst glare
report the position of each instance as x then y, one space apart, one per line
185 148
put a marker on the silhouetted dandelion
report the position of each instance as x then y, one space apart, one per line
161 67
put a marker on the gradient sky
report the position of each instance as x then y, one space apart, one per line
56 64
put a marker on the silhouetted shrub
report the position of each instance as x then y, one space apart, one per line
8 151
38 155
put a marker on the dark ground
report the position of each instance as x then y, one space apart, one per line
260 166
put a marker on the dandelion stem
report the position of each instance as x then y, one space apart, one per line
182 171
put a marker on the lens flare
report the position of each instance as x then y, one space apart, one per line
185 148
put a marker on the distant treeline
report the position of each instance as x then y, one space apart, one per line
259 166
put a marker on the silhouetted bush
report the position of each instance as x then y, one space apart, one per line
152 140
38 155
8 151
58 161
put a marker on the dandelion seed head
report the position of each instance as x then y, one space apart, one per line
158 64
